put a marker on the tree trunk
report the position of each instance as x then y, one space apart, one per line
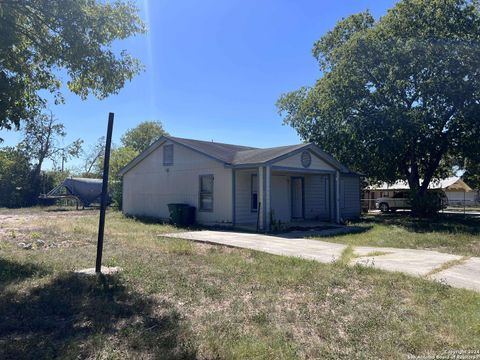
420 199
36 181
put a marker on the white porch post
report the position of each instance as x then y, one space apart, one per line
261 196
337 196
268 196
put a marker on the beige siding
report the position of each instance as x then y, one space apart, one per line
281 198
243 188
349 197
295 161
150 186
317 200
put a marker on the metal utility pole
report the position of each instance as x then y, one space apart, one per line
103 202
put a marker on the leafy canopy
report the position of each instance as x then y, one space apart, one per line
41 40
43 139
143 135
90 158
398 98
119 158
15 178
472 174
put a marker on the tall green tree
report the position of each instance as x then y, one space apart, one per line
39 38
90 167
398 97
143 135
15 178
472 174
42 140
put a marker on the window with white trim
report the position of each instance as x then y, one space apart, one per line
168 155
206 193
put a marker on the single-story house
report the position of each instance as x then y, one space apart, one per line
238 185
456 190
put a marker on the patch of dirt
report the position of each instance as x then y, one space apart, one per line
27 217
23 229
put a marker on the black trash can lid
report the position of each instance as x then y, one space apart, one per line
178 206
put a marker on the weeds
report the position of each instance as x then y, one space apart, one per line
448 265
346 256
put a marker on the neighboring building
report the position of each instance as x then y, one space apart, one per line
237 185
457 191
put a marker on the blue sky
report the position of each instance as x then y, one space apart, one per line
214 69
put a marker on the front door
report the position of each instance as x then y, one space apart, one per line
297 198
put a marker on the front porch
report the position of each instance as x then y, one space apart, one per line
271 198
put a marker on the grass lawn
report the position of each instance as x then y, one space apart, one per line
178 299
449 233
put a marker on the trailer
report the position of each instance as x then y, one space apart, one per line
84 190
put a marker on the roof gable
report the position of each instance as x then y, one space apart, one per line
314 162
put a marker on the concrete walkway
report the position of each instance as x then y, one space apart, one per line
454 270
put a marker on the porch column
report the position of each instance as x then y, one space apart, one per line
261 202
268 196
337 196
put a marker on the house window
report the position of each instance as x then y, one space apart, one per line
168 155
206 192
254 193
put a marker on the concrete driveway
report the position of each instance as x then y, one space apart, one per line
454 270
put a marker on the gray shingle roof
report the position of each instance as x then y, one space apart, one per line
259 156
237 154
223 152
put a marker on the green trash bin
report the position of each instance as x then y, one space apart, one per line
177 213
188 215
